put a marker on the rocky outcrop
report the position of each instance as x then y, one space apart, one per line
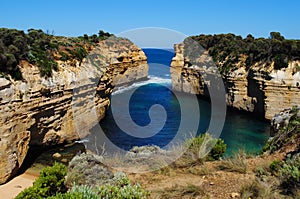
285 132
38 111
259 89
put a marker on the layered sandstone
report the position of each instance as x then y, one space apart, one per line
259 89
40 111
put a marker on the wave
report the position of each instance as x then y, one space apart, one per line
82 141
151 80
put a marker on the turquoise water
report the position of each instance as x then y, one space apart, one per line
241 130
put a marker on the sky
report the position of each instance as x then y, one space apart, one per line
77 17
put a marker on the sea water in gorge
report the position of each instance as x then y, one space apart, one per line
241 130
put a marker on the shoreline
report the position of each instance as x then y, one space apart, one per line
13 187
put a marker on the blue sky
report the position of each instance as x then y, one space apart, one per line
76 17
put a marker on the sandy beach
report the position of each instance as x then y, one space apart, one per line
16 185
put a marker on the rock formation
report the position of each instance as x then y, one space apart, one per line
260 89
285 132
38 110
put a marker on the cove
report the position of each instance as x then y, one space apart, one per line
241 130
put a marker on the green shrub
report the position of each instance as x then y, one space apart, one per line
120 179
288 132
260 171
77 192
227 49
119 187
64 56
205 146
44 61
124 192
85 191
287 172
50 182
297 68
218 150
274 166
280 61
79 53
201 148
290 172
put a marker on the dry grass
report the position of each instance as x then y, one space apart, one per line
236 164
178 192
258 189
166 170
202 170
139 161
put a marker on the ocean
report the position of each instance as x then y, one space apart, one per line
241 130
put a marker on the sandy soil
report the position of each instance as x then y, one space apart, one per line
206 178
16 185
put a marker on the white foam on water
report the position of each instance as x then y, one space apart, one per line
151 80
82 141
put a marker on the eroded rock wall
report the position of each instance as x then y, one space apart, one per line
40 111
259 89
285 132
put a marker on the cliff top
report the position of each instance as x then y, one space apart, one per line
34 62
42 49
230 51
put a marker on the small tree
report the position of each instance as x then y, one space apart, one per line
276 35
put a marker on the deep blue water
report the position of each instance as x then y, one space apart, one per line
241 130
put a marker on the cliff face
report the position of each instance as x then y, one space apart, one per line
285 132
38 111
259 89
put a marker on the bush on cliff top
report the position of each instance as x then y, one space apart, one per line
290 172
40 48
87 169
201 148
51 183
205 143
227 49
118 190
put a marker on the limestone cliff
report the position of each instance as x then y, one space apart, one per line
285 132
259 89
38 110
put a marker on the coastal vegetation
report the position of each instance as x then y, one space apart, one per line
52 182
229 49
45 49
87 177
42 49
273 174
201 148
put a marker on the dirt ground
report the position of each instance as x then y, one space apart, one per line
200 181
